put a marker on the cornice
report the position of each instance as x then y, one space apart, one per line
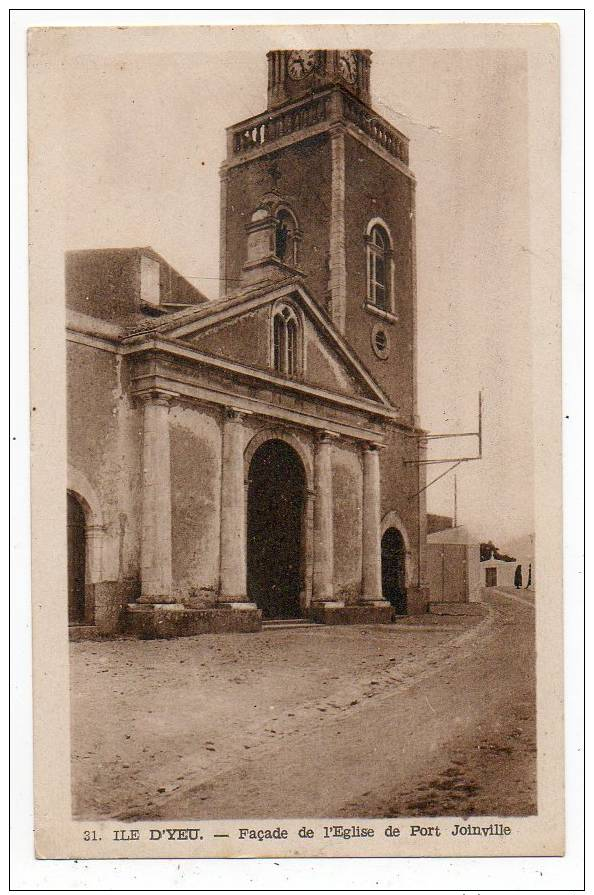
98 342
183 351
325 127
178 387
306 133
354 131
92 326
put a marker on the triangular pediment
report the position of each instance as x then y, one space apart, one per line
239 329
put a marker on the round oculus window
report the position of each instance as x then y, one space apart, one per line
380 341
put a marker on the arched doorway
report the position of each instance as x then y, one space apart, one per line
394 570
275 503
77 561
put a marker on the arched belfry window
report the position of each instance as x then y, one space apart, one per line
286 338
380 290
286 237
272 243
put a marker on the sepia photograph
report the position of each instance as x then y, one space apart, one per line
301 557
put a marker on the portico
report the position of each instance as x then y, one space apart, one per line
244 427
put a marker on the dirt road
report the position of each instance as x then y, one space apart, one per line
330 721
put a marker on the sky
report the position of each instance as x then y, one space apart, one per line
135 126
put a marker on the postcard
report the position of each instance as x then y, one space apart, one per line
296 441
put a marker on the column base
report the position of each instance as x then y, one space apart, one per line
239 606
168 621
377 613
157 599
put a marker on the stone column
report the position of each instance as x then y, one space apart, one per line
308 548
233 518
372 560
323 568
155 548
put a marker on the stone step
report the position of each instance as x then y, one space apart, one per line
150 607
275 624
289 620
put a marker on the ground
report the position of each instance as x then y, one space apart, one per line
431 716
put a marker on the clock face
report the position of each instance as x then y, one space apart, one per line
300 63
347 66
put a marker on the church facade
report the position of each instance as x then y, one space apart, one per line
257 457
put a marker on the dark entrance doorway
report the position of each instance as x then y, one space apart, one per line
274 530
394 570
77 561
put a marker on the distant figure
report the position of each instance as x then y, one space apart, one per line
529 576
518 577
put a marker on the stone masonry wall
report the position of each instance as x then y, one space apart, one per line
104 444
288 172
347 493
375 189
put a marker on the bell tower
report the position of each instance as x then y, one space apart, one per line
318 188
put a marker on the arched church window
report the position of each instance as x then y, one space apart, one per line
286 341
378 263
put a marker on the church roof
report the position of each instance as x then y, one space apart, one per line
106 284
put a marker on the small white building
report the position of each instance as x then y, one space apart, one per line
498 573
501 573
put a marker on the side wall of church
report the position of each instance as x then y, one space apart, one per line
400 482
104 442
